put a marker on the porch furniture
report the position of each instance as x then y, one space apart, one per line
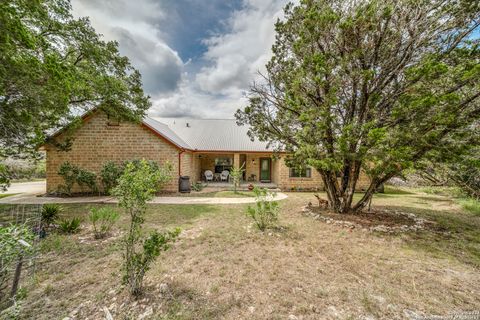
224 175
216 176
252 178
208 175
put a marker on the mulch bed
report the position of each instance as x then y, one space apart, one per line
375 220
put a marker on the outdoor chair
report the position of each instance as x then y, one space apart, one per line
224 175
208 175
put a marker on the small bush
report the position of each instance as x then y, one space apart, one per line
88 179
69 174
109 175
50 213
103 220
265 212
197 186
70 226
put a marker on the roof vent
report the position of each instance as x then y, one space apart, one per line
188 125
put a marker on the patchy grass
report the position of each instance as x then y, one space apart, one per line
223 268
470 205
4 195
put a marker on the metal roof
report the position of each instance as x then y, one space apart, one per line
206 134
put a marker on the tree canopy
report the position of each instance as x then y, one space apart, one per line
373 86
54 67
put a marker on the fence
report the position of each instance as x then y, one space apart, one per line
18 254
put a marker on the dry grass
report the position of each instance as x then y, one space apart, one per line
223 268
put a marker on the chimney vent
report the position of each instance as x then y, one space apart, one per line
188 125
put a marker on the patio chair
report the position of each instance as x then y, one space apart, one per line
224 175
208 175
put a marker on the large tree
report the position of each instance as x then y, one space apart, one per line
53 68
370 85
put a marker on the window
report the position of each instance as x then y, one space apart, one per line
300 173
223 161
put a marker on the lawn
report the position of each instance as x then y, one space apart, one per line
223 268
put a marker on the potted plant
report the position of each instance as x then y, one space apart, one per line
250 187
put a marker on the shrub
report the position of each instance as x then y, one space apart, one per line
109 175
265 212
72 174
50 213
136 186
88 179
197 186
70 226
103 220
69 174
236 174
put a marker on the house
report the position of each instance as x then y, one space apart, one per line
192 146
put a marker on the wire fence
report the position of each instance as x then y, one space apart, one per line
18 253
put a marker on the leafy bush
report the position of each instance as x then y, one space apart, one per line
197 186
136 186
72 174
236 174
70 226
102 220
87 178
109 175
50 213
265 212
69 174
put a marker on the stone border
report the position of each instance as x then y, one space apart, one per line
417 226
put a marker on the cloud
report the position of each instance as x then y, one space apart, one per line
224 44
135 25
234 58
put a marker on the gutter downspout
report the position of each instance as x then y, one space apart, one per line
180 162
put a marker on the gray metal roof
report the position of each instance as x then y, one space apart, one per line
206 134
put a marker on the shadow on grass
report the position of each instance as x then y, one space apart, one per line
184 302
454 235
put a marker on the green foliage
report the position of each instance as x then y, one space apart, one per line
139 262
265 211
53 65
69 174
70 225
137 185
364 87
50 213
4 177
102 220
236 174
197 186
109 175
15 241
88 179
72 174
471 205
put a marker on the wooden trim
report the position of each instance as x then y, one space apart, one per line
260 169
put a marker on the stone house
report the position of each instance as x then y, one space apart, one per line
192 146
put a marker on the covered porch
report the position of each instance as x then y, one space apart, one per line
258 168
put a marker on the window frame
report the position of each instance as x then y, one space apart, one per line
307 175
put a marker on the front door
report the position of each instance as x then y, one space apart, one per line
265 169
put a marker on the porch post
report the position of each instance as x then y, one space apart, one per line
236 160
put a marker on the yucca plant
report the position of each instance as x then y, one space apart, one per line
50 213
70 226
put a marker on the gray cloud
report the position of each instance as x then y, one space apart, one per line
160 66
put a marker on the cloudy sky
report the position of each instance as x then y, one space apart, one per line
197 57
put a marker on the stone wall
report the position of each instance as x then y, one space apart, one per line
97 142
